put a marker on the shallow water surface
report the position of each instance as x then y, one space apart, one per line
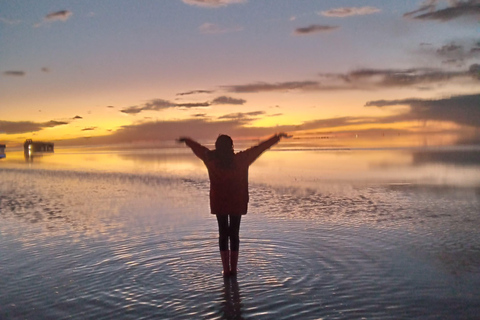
91 243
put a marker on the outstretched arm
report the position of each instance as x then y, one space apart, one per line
254 152
199 150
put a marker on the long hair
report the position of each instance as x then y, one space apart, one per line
223 153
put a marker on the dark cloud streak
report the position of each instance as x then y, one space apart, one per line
89 129
279 86
463 110
243 116
193 92
160 104
17 127
314 28
365 79
14 73
228 100
62 15
403 78
456 10
153 105
193 105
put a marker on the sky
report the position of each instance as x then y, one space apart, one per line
106 72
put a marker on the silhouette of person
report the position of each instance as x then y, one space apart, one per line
228 173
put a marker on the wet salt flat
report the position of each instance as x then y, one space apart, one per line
344 234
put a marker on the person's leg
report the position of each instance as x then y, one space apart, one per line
234 232
222 232
223 242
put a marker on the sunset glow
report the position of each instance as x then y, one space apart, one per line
120 72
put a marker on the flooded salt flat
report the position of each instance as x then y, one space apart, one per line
106 242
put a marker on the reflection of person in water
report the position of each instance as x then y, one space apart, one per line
228 172
232 300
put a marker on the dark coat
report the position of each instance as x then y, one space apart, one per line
229 186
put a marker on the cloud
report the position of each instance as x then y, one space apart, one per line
367 79
243 116
193 92
54 123
198 128
228 100
153 105
403 77
279 86
77 117
46 70
9 21
160 104
13 73
16 127
475 71
314 28
211 28
201 127
456 9
462 110
193 105
349 11
447 49
413 77
458 52
212 3
89 129
62 15
133 110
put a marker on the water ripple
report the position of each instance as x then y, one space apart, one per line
93 246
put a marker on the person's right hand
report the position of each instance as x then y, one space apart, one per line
283 135
181 139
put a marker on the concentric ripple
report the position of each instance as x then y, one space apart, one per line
107 246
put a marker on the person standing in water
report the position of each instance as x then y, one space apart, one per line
228 173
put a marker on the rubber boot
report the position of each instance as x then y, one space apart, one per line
233 262
225 262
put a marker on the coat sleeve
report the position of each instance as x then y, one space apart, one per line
253 153
199 150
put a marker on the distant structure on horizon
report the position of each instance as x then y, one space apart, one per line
29 146
2 151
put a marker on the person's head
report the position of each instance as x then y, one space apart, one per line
224 144
224 151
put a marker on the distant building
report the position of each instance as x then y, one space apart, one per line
2 151
38 146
